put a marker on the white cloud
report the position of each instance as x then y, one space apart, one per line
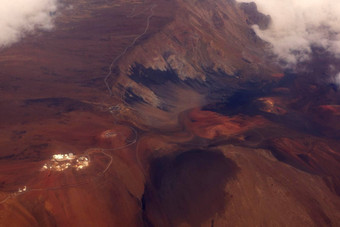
298 24
337 79
18 17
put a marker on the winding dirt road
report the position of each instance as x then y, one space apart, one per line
127 48
102 150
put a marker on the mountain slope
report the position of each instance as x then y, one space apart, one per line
177 113
206 44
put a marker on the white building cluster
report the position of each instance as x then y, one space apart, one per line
61 162
21 190
63 157
82 162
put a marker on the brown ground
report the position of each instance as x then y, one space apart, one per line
195 165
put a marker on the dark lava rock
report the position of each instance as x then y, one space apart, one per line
189 187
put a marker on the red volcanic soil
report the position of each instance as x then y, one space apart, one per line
274 105
280 75
328 117
309 154
210 125
54 101
272 163
74 196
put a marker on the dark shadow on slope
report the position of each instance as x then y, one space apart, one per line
189 187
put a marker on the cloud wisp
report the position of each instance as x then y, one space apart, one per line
19 17
298 25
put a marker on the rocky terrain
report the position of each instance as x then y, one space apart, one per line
165 113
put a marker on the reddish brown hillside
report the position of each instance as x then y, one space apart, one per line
163 113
